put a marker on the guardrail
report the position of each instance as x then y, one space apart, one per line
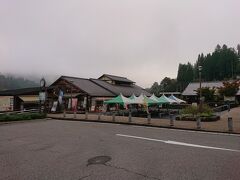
221 108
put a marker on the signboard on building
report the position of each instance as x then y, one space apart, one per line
229 98
42 96
6 103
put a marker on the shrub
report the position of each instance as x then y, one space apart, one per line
18 117
206 109
194 110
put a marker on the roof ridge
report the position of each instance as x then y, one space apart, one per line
75 77
116 76
207 82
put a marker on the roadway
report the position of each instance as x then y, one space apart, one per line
56 149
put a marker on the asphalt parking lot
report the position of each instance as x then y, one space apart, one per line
56 149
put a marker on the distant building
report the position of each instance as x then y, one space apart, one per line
190 92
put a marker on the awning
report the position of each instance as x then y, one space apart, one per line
30 98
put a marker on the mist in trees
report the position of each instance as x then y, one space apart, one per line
10 82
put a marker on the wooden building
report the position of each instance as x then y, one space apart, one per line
90 93
19 99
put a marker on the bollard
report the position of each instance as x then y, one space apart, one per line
86 115
75 115
198 123
64 113
113 117
130 117
171 120
99 116
149 118
230 124
160 115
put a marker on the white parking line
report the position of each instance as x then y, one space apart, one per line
178 143
192 131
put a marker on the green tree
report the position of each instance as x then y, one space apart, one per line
229 88
207 93
155 89
185 75
168 85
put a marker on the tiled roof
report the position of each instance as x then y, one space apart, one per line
22 91
117 78
88 86
93 87
125 90
192 87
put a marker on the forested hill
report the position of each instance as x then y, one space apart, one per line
11 82
221 64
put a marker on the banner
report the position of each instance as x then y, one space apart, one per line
74 103
60 97
85 102
54 107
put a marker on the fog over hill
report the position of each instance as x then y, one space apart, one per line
16 81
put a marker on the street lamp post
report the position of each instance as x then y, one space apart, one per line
200 88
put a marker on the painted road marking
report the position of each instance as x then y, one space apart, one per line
192 131
178 143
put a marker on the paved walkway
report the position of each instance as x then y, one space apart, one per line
218 126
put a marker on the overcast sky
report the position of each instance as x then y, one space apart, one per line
144 40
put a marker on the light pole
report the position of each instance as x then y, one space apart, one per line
200 88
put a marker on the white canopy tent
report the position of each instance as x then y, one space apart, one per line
179 101
171 101
153 97
142 99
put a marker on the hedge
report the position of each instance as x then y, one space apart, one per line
19 117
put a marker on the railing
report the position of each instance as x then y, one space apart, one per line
221 108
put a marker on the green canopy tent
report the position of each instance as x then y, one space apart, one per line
160 100
120 99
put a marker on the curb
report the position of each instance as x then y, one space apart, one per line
143 125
